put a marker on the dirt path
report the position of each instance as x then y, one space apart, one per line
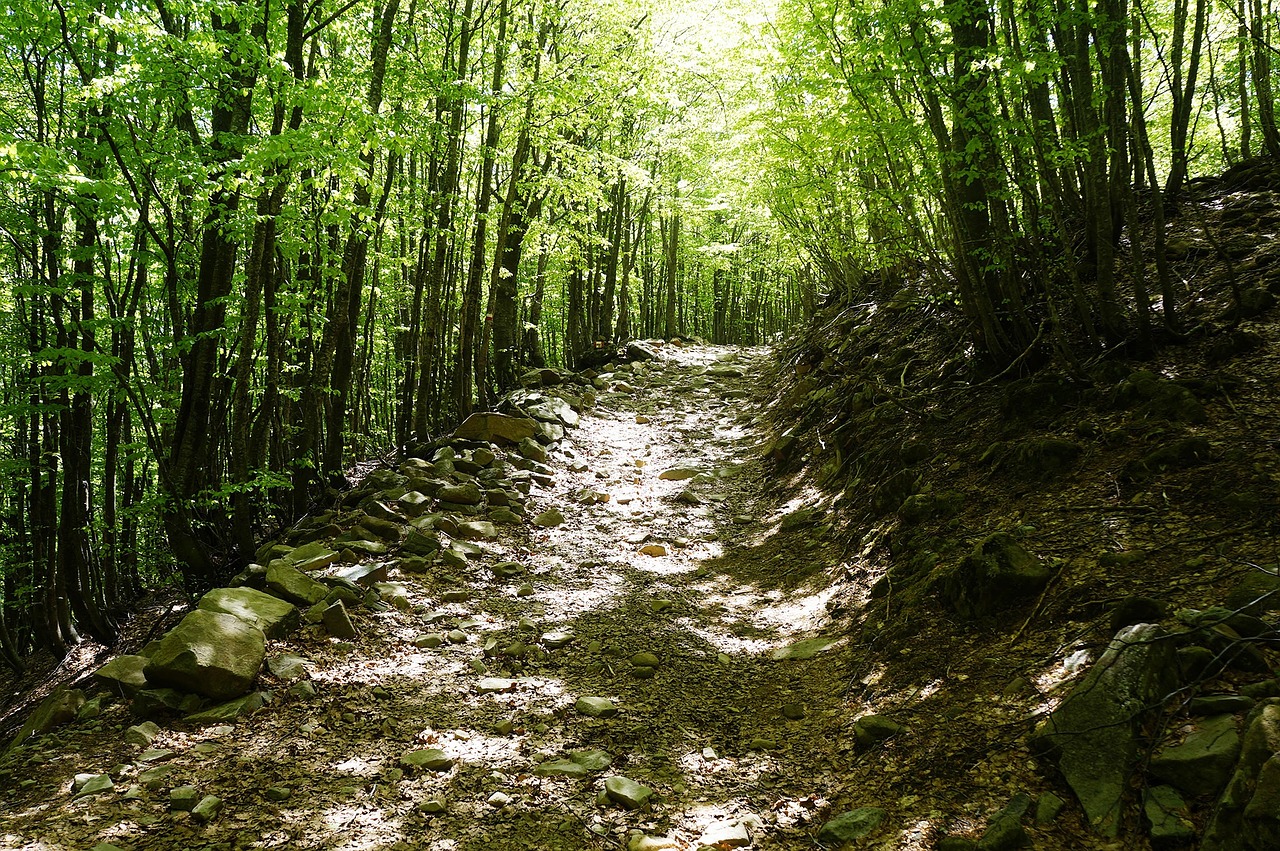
674 598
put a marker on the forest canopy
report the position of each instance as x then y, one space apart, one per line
247 243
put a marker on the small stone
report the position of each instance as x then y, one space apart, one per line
851 826
1005 831
456 636
525 590
549 518
557 640
641 842
430 641
207 809
92 784
561 768
183 799
278 793
153 778
434 804
726 834
655 550
657 606
596 707
304 690
495 685
643 673
456 595
432 759
287 666
505 727
337 622
627 793
677 474
592 760
870 729
142 734
760 743
498 800
526 624
793 711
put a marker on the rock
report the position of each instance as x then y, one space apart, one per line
645 660
639 351
365 575
1048 806
795 711
656 550
57 709
1005 831
498 800
1168 818
549 518
641 842
430 641
870 729
241 707
1247 815
677 474
1202 764
184 799
207 809
1256 593
142 734
561 768
287 666
432 759
312 556
293 585
1132 610
497 428
153 778
761 743
92 784
123 675
592 760
434 804
1220 704
997 575
275 617
495 685
504 516
1093 733
463 494
533 450
804 649
337 622
277 794
304 690
851 826
556 640
421 543
726 834
627 793
596 707
477 530
153 701
456 636
208 653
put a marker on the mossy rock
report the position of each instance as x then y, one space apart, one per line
1177 454
920 507
996 576
1158 398
1042 458
893 491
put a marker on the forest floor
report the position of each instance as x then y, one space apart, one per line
740 731
724 610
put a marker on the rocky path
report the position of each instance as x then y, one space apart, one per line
650 673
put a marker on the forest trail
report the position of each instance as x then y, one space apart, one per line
692 603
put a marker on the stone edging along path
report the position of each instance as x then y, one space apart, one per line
606 634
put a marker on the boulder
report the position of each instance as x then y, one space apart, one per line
337 622
273 616
1247 817
1202 764
291 584
627 792
57 709
124 675
209 653
1093 734
496 428
1168 819
998 574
